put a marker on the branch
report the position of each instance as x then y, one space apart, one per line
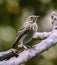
36 49
13 52
41 35
8 54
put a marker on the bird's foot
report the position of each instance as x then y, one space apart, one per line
26 47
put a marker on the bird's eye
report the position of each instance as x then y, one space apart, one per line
31 17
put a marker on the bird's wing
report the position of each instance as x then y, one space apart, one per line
20 33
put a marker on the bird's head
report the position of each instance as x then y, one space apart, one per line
32 18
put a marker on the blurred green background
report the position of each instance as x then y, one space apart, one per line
13 14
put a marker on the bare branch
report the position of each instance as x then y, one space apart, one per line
8 54
36 49
41 35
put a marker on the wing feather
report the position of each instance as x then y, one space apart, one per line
20 33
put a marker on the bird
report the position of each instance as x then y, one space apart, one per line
26 32
54 19
24 35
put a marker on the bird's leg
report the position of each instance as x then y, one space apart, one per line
23 45
27 46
